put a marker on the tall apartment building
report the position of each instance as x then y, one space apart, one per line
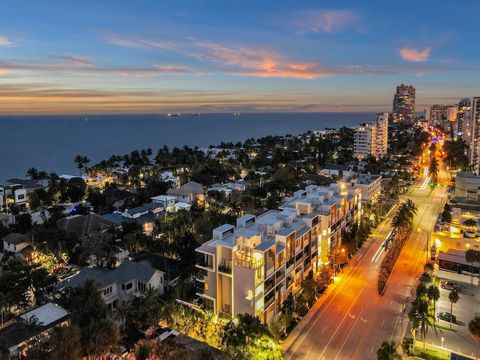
252 266
471 133
372 138
404 103
463 112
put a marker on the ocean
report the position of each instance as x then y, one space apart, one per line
51 142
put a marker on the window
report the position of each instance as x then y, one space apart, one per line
21 197
127 286
206 286
142 287
107 291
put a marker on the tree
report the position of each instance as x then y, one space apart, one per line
146 311
33 174
65 343
470 223
90 313
81 161
419 316
247 338
421 290
276 327
429 268
388 351
453 297
474 328
470 257
433 294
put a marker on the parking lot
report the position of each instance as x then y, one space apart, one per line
458 340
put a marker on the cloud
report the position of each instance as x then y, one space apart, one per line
415 55
69 64
75 60
323 21
133 42
4 42
264 63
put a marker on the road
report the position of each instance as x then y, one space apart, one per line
351 320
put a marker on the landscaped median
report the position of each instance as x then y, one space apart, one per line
402 224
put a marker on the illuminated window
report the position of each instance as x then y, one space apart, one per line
206 286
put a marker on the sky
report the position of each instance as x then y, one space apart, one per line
159 56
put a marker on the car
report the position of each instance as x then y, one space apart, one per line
470 234
446 316
448 285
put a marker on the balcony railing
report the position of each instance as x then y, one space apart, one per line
248 262
225 266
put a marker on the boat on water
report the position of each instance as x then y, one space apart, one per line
180 114
236 114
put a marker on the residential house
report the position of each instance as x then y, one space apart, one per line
171 203
119 199
84 225
40 320
131 279
170 267
13 195
18 244
190 192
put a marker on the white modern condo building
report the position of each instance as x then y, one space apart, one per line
251 267
372 138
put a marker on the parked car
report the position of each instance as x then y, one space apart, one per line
470 234
446 316
449 285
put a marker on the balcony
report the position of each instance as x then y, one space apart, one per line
247 261
205 262
225 266
280 275
269 285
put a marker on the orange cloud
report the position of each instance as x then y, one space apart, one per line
415 55
263 63
324 21
4 42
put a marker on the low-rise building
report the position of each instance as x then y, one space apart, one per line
129 280
84 225
16 243
190 192
40 320
13 195
251 267
370 186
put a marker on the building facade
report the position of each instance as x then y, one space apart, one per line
252 266
372 138
467 187
404 103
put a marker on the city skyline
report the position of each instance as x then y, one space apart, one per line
171 57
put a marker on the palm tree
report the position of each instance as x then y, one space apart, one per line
453 297
471 257
388 351
433 169
419 316
81 161
433 294
33 173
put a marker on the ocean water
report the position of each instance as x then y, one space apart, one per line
51 142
